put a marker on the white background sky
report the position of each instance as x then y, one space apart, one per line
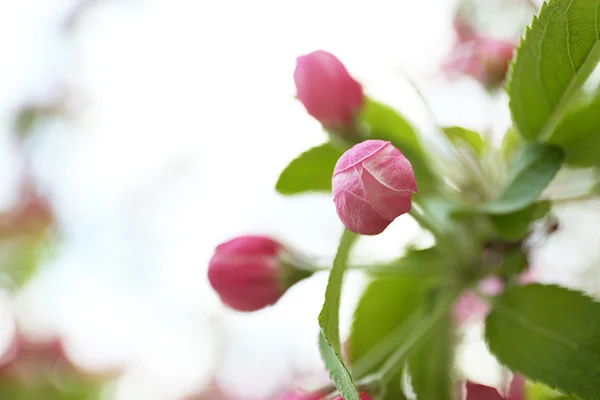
184 116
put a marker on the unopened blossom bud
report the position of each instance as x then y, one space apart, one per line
252 272
327 90
372 185
483 59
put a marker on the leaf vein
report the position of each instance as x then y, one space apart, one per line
569 38
518 318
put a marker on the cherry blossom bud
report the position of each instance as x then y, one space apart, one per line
327 90
483 59
252 272
372 185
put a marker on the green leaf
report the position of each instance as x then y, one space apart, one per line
423 263
558 53
511 143
579 134
513 263
529 175
537 391
515 226
385 123
20 258
430 367
461 136
329 319
310 171
549 334
372 339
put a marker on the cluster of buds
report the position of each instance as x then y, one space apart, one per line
372 185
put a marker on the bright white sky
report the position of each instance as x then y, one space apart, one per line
186 116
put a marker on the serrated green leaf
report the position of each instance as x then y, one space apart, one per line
515 226
550 335
430 368
385 123
329 320
461 137
556 56
337 369
529 175
310 171
579 134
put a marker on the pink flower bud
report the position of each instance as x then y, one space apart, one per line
327 90
372 185
484 59
251 272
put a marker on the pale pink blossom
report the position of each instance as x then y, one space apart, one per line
483 59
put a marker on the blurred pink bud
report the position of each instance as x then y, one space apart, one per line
470 307
483 59
464 31
527 276
372 185
480 392
250 272
327 90
300 395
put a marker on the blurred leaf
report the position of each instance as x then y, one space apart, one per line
515 226
537 391
579 134
558 53
461 136
424 263
529 174
385 123
20 259
329 340
511 144
310 171
513 263
373 339
550 335
430 368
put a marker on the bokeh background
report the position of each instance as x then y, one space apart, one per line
142 133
